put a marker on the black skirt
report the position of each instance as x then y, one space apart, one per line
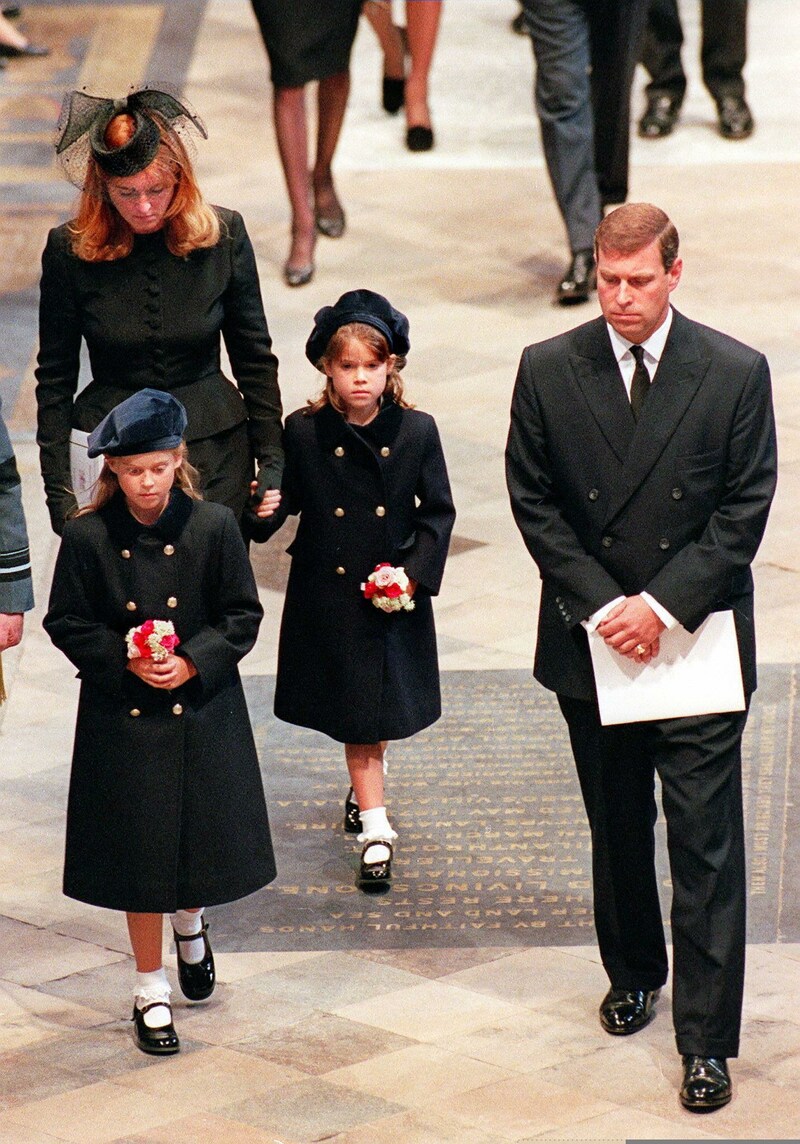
307 40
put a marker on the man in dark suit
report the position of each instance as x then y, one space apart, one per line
641 464
723 54
585 52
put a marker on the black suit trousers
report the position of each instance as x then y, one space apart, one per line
723 51
698 761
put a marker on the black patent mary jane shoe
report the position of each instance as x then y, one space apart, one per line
161 1041
375 870
352 819
706 1084
196 981
626 1011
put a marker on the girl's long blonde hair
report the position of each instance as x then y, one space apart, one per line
187 478
98 231
375 341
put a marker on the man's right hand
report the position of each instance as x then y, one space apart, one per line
10 629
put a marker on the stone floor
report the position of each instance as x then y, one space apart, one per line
471 1045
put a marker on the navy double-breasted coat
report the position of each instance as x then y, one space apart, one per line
166 806
364 496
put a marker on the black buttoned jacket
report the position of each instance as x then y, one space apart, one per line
166 807
152 319
674 504
364 497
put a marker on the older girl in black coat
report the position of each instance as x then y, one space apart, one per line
367 475
166 807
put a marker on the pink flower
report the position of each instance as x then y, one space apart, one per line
384 575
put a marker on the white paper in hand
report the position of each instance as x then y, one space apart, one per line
693 674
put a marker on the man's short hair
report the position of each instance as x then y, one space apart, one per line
635 225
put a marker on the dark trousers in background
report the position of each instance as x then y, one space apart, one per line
723 52
698 761
585 52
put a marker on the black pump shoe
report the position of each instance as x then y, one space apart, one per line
352 819
393 94
196 981
161 1041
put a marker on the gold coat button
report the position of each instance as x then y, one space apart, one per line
134 711
125 554
380 510
169 550
338 512
385 451
130 606
172 602
177 709
340 571
338 451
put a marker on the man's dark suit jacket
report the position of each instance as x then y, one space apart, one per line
674 505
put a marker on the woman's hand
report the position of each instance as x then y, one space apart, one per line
167 673
268 503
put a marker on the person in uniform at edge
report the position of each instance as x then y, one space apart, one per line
16 582
149 276
166 807
367 475
641 465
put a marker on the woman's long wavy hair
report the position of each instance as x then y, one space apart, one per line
187 478
100 234
374 340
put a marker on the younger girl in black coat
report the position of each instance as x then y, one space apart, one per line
166 806
367 476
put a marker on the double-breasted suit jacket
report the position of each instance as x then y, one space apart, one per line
364 497
674 504
153 319
166 807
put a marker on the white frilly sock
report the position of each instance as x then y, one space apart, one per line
152 988
375 827
186 924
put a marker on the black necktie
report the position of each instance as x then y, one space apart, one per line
640 383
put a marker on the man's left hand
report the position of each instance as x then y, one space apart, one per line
10 629
632 629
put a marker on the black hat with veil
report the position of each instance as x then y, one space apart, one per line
84 118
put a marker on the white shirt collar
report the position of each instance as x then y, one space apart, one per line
653 346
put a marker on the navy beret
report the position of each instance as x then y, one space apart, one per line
145 422
359 306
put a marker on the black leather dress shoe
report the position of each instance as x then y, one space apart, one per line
706 1084
196 981
735 118
29 50
660 116
579 279
352 819
161 1041
626 1011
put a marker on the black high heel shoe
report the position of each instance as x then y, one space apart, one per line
352 819
393 95
161 1041
196 981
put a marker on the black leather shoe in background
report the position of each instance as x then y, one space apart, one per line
161 1041
196 981
735 118
706 1084
660 116
579 279
626 1011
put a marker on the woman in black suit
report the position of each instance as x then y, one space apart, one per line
308 41
149 276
